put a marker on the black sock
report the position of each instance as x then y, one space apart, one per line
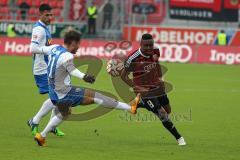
170 127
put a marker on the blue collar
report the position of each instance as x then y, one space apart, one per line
42 24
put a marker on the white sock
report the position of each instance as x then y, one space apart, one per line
123 106
54 121
110 102
46 107
53 113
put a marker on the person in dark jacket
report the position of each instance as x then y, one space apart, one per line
107 15
24 7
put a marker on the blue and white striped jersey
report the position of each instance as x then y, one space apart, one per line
41 36
59 68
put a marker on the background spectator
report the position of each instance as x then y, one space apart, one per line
77 6
222 38
11 31
13 9
24 7
92 15
107 15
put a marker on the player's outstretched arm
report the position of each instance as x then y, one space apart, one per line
86 77
70 67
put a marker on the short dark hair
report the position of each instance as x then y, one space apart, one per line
71 36
147 36
44 7
222 31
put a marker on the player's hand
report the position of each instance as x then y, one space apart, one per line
76 55
89 78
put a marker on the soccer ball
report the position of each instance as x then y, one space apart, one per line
115 67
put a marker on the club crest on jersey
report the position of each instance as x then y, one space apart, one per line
34 37
149 67
49 41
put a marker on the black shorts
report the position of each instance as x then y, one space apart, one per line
155 103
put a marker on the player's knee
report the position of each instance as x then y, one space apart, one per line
168 109
64 110
48 103
162 115
66 115
88 96
88 93
165 103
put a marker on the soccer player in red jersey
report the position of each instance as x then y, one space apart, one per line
147 80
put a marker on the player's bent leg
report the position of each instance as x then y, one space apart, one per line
110 102
162 114
45 109
55 121
33 123
64 110
91 96
47 106
167 123
168 108
88 97
56 131
165 103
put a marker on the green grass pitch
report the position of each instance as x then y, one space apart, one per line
205 104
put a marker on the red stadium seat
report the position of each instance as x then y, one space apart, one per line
4 10
53 3
3 2
33 14
33 11
19 2
60 19
44 1
56 12
99 2
4 13
27 1
36 3
60 4
34 18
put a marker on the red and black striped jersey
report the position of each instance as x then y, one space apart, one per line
146 70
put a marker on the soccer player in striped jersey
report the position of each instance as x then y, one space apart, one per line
147 80
65 96
41 39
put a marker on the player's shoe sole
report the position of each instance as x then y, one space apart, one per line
39 139
134 103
